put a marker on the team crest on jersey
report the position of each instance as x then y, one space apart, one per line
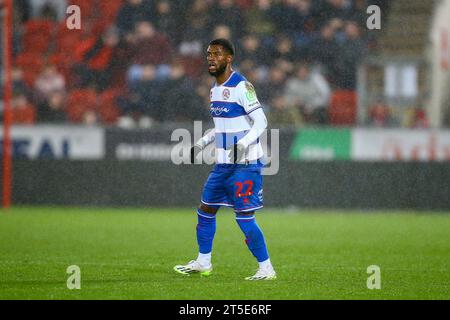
249 86
226 94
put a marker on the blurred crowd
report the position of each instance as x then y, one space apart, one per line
140 62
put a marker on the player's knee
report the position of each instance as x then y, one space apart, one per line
208 209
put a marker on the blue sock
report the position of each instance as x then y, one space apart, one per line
206 228
254 237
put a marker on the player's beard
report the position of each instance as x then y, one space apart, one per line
219 71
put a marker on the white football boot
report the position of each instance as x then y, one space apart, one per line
263 274
194 267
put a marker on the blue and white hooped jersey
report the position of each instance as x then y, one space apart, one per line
231 103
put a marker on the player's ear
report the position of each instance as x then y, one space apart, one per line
230 58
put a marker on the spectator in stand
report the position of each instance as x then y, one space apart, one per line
284 49
334 9
337 25
194 38
90 118
18 83
132 12
420 119
148 46
324 50
284 54
272 36
52 110
222 31
255 73
191 49
304 34
310 93
48 80
250 48
358 12
23 112
273 86
195 35
294 18
270 87
95 59
286 18
180 101
283 114
143 104
168 20
380 115
258 20
348 59
227 13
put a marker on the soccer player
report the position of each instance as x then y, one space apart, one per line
236 179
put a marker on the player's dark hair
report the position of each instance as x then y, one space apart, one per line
226 44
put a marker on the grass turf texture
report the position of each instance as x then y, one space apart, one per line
129 254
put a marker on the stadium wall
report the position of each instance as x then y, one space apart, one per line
336 184
319 168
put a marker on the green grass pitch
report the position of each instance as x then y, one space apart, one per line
130 253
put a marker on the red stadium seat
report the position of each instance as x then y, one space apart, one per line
67 39
67 44
38 35
24 114
109 9
29 60
64 62
37 43
31 63
342 110
107 108
41 27
80 101
244 4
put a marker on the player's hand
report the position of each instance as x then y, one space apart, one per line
195 150
236 152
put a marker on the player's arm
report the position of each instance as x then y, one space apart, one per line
258 126
202 143
250 103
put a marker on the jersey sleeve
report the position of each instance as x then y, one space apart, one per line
247 97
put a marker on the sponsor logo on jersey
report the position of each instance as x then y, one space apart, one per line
219 110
